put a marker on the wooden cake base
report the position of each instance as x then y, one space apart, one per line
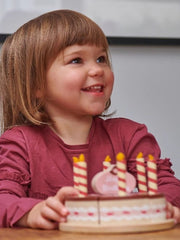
167 224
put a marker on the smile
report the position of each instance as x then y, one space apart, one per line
95 88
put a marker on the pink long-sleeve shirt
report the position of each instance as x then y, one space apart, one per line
35 163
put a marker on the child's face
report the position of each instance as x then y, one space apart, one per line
79 82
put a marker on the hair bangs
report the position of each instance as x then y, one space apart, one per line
84 31
71 28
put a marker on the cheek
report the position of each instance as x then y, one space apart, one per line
73 80
112 77
111 80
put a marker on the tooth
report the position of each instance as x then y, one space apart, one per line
94 87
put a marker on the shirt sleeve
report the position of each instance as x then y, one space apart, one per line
13 208
14 179
138 139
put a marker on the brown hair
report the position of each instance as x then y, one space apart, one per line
26 56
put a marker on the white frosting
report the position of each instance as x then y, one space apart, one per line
148 212
82 214
133 213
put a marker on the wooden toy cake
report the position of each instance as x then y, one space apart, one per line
117 207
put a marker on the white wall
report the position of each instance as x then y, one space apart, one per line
151 18
147 90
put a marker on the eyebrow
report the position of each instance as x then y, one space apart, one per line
80 51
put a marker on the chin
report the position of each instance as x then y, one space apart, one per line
96 110
97 113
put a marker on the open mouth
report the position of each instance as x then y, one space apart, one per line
95 88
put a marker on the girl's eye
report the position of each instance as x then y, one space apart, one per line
76 60
102 59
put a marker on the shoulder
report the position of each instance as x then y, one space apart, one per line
123 124
23 140
22 133
122 128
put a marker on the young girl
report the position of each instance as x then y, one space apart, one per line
56 82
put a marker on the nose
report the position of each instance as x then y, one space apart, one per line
95 70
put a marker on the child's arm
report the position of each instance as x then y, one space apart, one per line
173 212
140 140
48 213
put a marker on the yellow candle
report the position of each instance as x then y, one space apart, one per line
141 173
106 162
76 172
121 173
152 175
80 175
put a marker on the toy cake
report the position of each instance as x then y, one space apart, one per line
117 207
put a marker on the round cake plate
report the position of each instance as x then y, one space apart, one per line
148 227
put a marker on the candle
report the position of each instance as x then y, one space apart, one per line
152 175
141 173
76 172
106 162
121 173
80 175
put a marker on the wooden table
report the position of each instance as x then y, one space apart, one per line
31 234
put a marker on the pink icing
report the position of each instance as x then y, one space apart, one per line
106 182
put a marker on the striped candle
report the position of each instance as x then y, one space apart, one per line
152 175
76 172
80 175
106 162
141 173
121 173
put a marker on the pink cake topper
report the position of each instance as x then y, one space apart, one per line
106 182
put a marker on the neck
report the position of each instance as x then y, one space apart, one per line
73 132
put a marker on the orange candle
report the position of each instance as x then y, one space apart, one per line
141 173
121 173
80 175
76 172
152 175
106 162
